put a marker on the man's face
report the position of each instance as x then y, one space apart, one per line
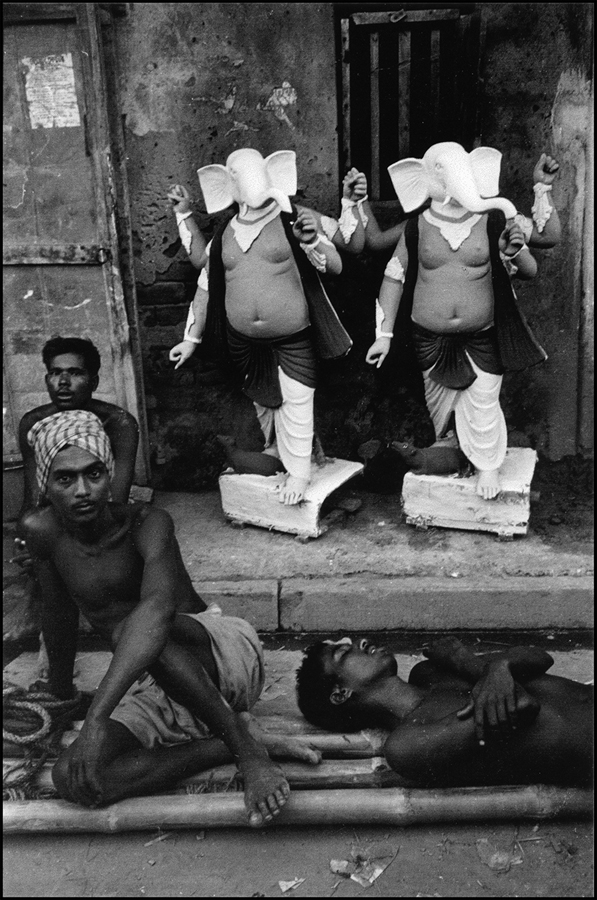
69 383
357 663
78 485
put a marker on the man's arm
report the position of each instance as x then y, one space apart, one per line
60 614
497 698
390 295
123 431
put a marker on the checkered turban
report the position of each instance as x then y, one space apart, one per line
72 428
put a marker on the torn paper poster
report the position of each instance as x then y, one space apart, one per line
51 92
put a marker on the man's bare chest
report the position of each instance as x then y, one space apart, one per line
99 576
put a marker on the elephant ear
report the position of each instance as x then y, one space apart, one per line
486 163
281 171
410 181
216 186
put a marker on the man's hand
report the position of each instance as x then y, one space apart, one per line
378 351
493 703
511 239
181 352
354 185
305 226
87 755
179 198
546 170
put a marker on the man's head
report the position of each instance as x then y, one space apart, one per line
74 462
72 371
335 680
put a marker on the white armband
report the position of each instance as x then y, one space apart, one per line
394 270
189 324
542 208
203 280
379 320
316 259
183 229
347 220
330 226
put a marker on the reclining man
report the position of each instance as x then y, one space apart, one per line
199 672
462 720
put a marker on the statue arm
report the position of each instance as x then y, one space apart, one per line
192 240
386 307
547 228
195 324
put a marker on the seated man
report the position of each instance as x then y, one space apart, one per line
462 720
120 565
72 376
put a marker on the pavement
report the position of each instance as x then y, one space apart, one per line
372 572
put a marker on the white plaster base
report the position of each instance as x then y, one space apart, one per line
448 501
251 499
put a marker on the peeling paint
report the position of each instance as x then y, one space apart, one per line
28 294
279 99
240 126
225 104
79 305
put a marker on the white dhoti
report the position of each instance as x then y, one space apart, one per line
480 423
289 428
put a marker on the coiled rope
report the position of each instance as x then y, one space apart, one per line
34 720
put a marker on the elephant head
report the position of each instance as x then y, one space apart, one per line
447 172
248 178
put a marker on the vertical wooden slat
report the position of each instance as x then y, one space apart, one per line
434 84
375 132
404 93
345 41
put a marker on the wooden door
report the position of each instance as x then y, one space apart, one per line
62 271
409 80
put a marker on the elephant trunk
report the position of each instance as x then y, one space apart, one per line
467 195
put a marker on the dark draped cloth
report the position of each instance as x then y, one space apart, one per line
517 347
257 360
447 354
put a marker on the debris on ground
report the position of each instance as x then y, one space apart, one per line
499 860
366 864
290 885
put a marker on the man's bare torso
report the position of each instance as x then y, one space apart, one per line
453 292
264 294
104 578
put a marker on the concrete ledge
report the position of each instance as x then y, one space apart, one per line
384 604
255 601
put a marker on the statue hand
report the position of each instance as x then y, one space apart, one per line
305 226
181 352
354 185
546 170
179 198
511 239
378 351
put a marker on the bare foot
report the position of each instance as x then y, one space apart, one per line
293 490
266 788
282 746
488 485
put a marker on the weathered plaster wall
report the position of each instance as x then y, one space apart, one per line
201 80
537 97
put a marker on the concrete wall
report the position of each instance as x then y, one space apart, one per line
199 80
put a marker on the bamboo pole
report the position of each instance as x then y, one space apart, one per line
390 806
358 745
358 773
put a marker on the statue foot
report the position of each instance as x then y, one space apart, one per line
488 485
293 490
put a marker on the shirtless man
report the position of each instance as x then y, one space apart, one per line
72 366
462 720
263 303
456 301
120 565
